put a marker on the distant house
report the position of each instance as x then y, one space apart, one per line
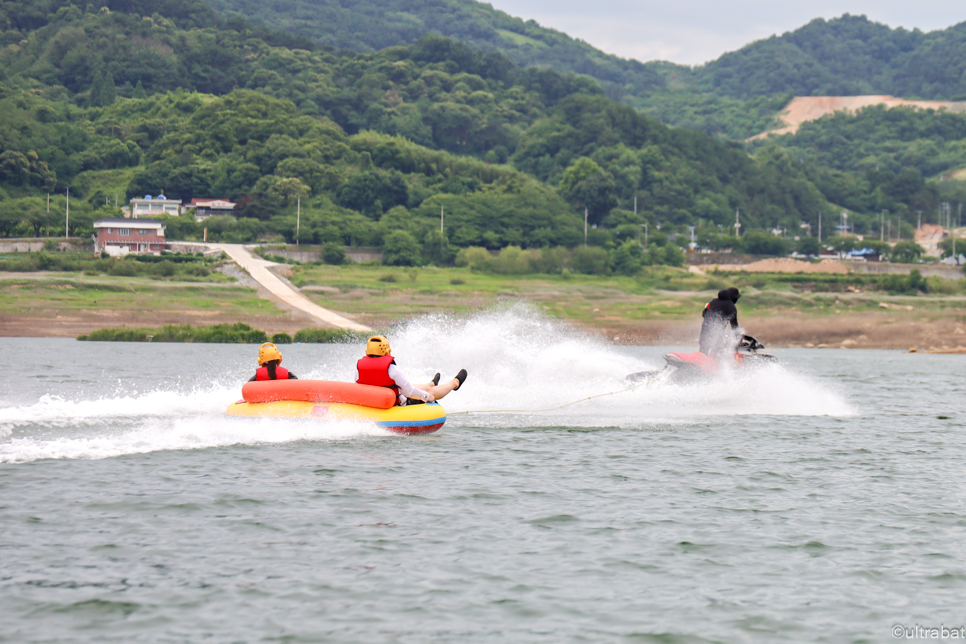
204 208
152 207
123 236
864 254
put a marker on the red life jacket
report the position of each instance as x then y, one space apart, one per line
375 371
281 373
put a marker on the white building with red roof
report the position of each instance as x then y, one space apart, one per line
123 236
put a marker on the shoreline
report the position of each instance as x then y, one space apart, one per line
616 310
822 332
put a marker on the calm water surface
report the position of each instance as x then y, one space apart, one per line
818 501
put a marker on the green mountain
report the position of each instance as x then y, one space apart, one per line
141 96
846 56
735 96
365 25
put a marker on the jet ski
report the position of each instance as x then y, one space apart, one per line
695 367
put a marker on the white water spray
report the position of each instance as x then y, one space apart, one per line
517 359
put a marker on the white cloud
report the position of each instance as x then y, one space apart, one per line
696 31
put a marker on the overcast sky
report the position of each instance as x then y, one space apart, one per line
693 32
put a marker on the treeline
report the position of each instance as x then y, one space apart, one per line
880 139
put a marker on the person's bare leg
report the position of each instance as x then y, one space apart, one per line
443 388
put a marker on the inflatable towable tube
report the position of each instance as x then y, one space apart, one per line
335 401
318 391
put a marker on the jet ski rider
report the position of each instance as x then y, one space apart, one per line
720 319
379 368
269 358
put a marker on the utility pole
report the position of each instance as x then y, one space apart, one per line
959 218
737 223
820 230
645 235
47 218
298 219
952 231
67 216
635 205
585 227
441 232
919 221
882 224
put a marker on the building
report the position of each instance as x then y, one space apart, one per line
205 208
123 236
151 207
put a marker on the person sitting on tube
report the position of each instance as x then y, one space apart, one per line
269 358
379 368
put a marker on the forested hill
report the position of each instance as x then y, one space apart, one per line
372 25
735 96
846 56
140 96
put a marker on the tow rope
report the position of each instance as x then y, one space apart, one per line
505 411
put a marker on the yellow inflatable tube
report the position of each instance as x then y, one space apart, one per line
411 419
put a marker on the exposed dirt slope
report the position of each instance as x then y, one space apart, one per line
802 109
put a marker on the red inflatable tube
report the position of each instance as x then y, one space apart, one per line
318 391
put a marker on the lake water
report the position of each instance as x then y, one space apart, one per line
821 500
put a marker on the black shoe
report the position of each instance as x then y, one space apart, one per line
461 376
436 380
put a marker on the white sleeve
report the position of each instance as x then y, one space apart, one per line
405 387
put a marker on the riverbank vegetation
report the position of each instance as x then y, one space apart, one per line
167 266
238 333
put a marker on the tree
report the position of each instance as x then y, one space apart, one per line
759 242
139 92
906 252
97 90
399 248
591 260
809 246
586 185
333 253
108 90
628 258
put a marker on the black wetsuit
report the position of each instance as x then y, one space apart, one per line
719 315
